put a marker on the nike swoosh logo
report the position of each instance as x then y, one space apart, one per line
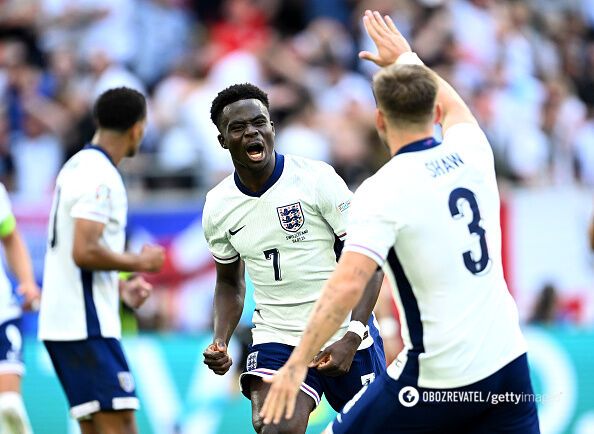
234 232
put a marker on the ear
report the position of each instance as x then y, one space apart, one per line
222 141
136 131
380 121
438 114
272 125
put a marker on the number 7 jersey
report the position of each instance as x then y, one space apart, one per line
430 218
285 234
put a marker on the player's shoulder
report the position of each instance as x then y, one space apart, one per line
222 190
465 133
387 185
217 198
308 168
90 163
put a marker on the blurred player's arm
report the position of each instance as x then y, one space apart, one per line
19 261
393 47
228 305
88 252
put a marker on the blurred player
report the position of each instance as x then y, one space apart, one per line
430 217
13 416
79 316
284 217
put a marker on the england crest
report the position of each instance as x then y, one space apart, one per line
126 381
291 216
252 361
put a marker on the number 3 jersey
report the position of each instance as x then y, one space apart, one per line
285 234
78 303
430 218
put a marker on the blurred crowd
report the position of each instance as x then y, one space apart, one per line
525 66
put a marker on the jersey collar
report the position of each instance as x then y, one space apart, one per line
279 164
419 145
100 149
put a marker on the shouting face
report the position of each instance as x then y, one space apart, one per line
246 130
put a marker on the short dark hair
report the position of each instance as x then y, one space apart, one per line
406 94
233 94
119 108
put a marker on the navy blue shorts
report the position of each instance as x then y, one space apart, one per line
11 347
94 375
395 406
265 359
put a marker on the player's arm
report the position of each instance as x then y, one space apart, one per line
228 305
89 253
363 309
19 261
337 358
341 293
392 47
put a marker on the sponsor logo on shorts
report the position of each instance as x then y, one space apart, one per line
408 396
252 361
126 381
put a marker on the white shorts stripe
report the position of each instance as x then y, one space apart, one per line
126 403
7 367
82 410
266 373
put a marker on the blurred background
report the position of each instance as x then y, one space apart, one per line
526 67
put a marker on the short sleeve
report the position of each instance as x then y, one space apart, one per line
216 237
94 203
334 200
7 220
468 134
372 227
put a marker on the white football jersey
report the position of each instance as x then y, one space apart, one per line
78 303
430 218
9 305
285 234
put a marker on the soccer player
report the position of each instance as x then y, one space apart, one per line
79 317
283 217
13 416
430 218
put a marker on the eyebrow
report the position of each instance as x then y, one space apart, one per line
239 122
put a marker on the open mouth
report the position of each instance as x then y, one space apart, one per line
255 151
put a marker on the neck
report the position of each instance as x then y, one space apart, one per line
399 138
113 143
255 180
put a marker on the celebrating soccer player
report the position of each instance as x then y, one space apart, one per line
284 218
79 317
430 218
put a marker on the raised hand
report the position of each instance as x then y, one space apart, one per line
389 41
135 291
